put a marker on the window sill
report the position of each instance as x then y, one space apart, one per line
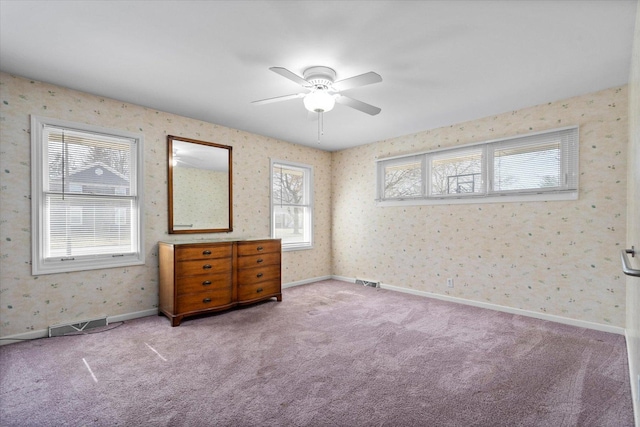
520 198
300 247
40 269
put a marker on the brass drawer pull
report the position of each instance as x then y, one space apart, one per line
259 275
207 252
206 300
206 283
260 248
259 290
206 266
260 261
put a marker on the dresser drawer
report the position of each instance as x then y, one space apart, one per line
258 247
258 260
204 252
257 290
203 300
209 282
259 274
199 267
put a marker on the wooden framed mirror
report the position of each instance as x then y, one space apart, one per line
200 186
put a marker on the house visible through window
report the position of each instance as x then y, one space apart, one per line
540 166
86 197
292 204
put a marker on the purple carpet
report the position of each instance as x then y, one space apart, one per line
330 354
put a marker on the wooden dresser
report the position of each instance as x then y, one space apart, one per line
197 278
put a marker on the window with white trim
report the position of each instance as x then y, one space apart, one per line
292 204
403 178
456 172
537 166
86 197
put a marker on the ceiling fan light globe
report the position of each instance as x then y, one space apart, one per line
319 102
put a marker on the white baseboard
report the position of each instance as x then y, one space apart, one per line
44 333
511 310
344 279
134 315
635 380
27 336
306 281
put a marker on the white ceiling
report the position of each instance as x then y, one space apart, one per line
442 62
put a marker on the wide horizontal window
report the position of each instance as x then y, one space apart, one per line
540 166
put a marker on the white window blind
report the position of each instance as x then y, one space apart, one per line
87 202
540 162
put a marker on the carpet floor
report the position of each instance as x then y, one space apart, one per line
330 354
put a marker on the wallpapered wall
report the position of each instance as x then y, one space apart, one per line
559 258
34 302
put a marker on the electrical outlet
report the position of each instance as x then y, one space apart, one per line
449 283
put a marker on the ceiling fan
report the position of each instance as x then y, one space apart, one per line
324 91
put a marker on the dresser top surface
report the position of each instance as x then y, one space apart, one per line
213 241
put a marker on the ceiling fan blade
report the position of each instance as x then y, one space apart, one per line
278 98
358 105
291 76
357 81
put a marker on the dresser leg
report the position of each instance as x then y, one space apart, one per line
175 321
279 298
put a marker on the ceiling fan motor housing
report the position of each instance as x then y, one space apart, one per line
320 77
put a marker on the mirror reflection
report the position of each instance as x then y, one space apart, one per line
199 186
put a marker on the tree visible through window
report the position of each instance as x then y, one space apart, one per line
403 179
457 172
291 199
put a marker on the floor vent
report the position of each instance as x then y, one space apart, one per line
68 328
366 282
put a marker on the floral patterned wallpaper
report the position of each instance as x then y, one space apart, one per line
559 258
29 303
193 211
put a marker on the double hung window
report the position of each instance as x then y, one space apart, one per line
540 166
292 204
86 197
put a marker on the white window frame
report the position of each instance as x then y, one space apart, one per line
566 190
41 264
429 157
401 161
308 177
